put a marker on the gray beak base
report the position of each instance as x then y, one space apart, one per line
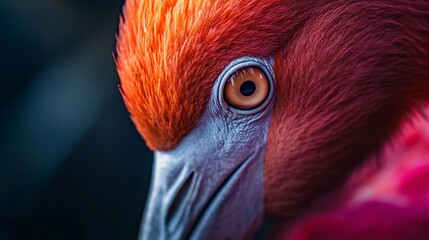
204 203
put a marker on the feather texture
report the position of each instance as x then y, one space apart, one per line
345 81
390 203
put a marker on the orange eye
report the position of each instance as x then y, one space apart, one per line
247 88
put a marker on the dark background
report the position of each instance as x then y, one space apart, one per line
72 165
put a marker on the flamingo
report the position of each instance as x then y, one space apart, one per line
260 109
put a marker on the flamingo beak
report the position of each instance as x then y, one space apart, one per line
200 202
208 187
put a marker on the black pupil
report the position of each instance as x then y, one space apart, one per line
247 88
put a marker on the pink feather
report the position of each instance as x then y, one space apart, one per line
390 202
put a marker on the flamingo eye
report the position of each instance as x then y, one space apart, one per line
247 88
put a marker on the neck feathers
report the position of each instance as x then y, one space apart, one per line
346 80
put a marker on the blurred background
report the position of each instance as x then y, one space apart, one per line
72 165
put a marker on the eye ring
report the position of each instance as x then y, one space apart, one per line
255 103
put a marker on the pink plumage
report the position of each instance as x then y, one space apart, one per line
391 202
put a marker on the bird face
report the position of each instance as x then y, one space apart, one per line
201 91
213 178
255 107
